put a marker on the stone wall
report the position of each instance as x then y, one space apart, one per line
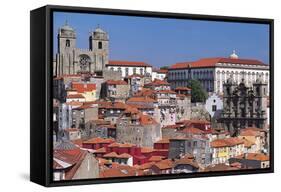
143 136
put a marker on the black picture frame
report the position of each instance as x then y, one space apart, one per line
41 36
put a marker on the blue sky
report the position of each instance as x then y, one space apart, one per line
161 42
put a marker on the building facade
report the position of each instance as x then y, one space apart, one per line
244 106
72 60
213 72
137 128
128 68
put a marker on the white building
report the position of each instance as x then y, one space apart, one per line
128 68
212 72
159 74
214 105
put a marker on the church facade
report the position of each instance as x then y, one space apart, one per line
244 106
72 60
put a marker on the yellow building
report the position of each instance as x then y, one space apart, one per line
223 149
88 90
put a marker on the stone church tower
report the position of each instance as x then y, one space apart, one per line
72 60
99 45
244 106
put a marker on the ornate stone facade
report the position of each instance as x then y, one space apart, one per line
244 106
71 60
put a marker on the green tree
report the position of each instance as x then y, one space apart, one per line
164 67
198 94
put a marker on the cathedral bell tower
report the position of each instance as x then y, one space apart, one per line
98 42
66 39
66 45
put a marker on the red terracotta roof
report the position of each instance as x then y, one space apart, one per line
121 145
145 92
254 156
156 158
166 91
140 106
182 89
146 119
128 63
72 157
163 141
164 164
191 130
141 99
131 110
74 103
116 82
257 156
249 133
147 150
211 62
99 140
111 155
83 87
101 150
187 161
124 156
120 171
157 82
75 96
227 142
110 105
146 166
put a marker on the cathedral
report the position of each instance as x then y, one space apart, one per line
244 106
72 60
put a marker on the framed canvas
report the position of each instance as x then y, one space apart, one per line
122 95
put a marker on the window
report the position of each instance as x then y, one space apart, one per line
195 144
214 108
127 71
67 43
141 71
119 69
100 45
134 70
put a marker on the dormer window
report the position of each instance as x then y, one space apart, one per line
67 43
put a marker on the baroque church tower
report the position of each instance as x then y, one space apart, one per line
72 60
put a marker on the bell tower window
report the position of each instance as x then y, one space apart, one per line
100 45
67 43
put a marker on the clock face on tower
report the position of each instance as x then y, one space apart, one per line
84 62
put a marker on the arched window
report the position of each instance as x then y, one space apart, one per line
67 43
100 45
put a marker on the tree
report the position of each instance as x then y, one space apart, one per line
164 67
198 94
